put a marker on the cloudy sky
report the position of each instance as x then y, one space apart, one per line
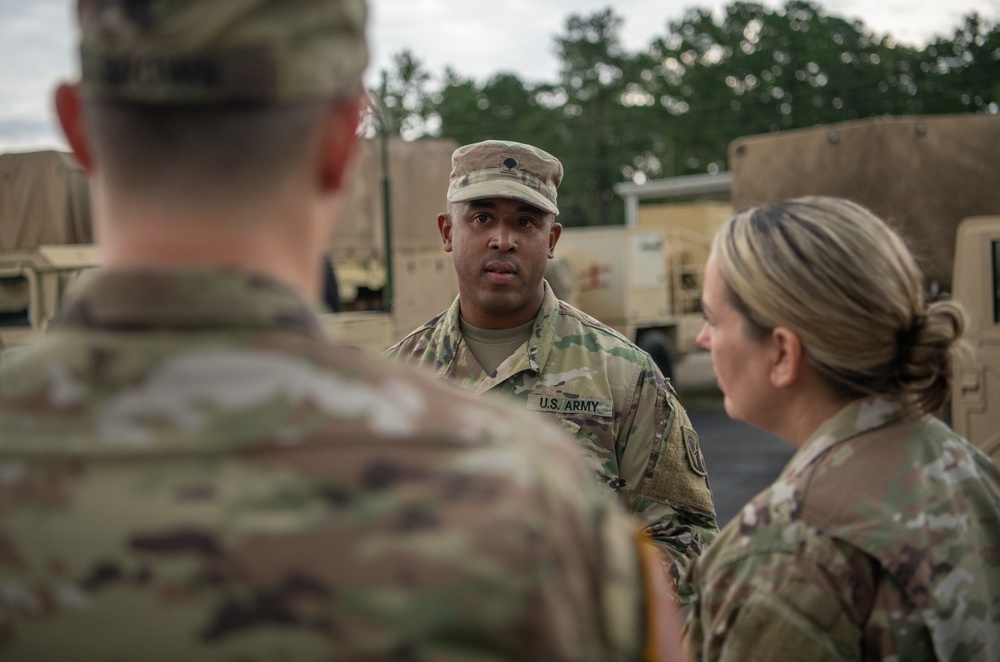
475 37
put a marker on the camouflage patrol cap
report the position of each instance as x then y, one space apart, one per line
502 169
219 51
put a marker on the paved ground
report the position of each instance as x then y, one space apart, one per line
694 372
741 459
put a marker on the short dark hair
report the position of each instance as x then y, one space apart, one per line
203 151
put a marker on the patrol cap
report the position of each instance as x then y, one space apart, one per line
503 169
220 51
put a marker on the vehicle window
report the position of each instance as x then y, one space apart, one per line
14 301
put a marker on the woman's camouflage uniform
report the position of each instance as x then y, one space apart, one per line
879 541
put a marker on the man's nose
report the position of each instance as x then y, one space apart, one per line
503 238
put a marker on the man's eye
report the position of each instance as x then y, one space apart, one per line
481 218
526 222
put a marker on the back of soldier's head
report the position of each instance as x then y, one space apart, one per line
228 88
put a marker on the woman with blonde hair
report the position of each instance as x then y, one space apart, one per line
880 540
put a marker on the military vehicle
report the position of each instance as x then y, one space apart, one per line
935 179
389 281
386 287
644 279
392 273
45 237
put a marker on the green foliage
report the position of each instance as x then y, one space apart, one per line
592 76
504 108
403 97
962 74
673 108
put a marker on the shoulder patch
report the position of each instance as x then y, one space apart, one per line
678 473
693 448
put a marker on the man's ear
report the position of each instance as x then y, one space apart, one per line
340 138
786 355
444 227
554 233
69 109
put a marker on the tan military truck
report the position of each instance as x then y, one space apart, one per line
45 241
384 299
935 178
645 281
976 283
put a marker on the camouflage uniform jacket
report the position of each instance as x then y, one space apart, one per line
190 471
879 541
610 395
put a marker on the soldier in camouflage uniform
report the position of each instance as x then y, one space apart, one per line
507 333
190 471
881 538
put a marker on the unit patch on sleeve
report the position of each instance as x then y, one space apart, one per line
695 458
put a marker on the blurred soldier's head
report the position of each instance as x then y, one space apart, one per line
501 229
230 88
214 107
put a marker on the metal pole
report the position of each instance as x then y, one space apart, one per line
387 225
384 127
631 210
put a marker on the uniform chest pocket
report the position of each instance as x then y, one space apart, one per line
602 460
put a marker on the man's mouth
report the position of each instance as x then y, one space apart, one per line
501 272
501 268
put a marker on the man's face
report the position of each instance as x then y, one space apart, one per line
500 248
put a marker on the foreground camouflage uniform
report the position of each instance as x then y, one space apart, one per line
607 393
190 471
879 541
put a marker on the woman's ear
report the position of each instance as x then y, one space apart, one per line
786 357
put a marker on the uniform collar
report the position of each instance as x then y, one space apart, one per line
185 299
855 418
539 343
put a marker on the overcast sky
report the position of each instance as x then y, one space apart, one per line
475 37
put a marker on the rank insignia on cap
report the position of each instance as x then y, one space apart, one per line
505 169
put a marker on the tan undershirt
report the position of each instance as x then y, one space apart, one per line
491 347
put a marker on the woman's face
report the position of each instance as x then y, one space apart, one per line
741 363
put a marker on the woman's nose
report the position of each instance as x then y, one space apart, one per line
703 337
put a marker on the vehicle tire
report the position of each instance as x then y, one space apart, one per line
659 347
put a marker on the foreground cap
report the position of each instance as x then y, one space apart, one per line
218 51
502 169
